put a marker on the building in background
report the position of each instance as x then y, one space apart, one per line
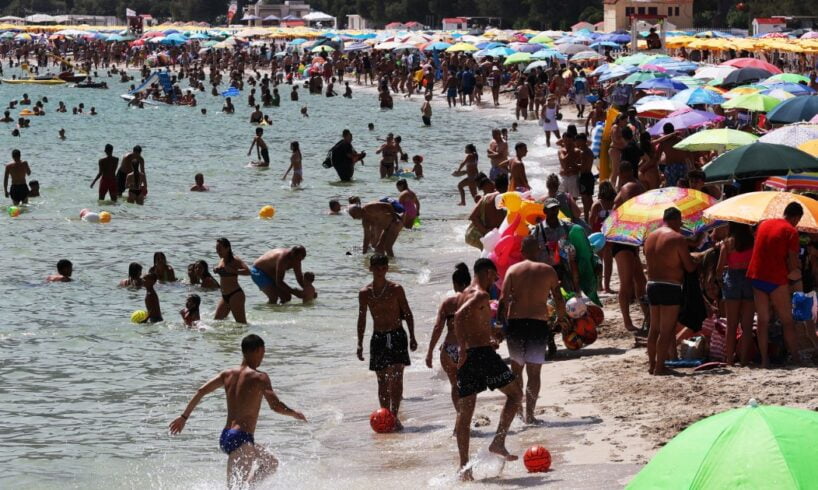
617 13
356 23
287 12
455 24
766 25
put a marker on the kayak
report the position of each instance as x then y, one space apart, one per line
35 81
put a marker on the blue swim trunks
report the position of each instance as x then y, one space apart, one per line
232 439
259 277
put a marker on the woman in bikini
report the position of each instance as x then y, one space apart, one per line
136 186
449 353
205 279
295 166
617 145
389 158
229 269
600 210
164 272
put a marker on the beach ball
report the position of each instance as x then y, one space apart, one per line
267 212
596 313
105 217
84 211
139 316
382 421
575 307
537 459
571 339
597 241
14 211
586 329
91 217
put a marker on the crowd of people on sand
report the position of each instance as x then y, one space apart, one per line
732 271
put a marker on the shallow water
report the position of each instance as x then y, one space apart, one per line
86 396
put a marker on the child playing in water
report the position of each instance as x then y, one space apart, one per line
409 201
295 166
64 270
151 298
309 294
470 165
261 150
334 208
34 189
190 313
304 111
418 168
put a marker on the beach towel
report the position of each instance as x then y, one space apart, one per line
596 138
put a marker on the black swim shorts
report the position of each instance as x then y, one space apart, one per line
387 349
586 184
483 368
664 294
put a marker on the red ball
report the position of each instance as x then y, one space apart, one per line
537 459
382 421
596 314
586 329
571 339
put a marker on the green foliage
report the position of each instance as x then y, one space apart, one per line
592 14
738 19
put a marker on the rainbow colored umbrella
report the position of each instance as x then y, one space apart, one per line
631 222
755 207
807 181
751 448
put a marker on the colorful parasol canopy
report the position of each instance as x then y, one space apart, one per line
807 181
631 222
750 447
759 160
752 102
792 135
752 63
716 140
685 119
810 147
695 96
754 207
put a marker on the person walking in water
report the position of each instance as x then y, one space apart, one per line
388 348
244 387
17 170
107 175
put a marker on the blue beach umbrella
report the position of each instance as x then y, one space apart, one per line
438 46
661 84
793 88
500 51
801 108
605 44
298 41
546 54
695 96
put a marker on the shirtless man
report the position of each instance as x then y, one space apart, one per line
628 264
268 273
107 175
381 226
676 161
485 216
244 387
524 303
596 115
479 366
518 179
126 166
497 153
388 348
151 298
450 89
256 116
17 170
668 259
64 270
522 101
199 186
569 157
586 175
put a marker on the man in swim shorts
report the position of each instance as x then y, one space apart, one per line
17 171
107 175
268 273
261 148
668 258
381 225
479 366
244 387
388 348
774 267
524 303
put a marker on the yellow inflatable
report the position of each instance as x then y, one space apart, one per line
529 211
267 212
139 316
27 112
604 159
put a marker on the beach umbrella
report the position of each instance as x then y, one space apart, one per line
518 58
348 48
746 75
500 52
685 119
437 46
752 102
695 96
807 181
743 90
571 48
631 222
714 72
661 84
690 81
801 108
792 135
787 77
174 39
793 88
810 147
585 56
754 207
534 65
199 36
116 38
461 48
642 76
659 108
752 63
541 38
778 94
616 38
605 44
526 47
271 18
23 36
752 447
616 71
297 41
759 160
716 140
546 54
489 45
322 49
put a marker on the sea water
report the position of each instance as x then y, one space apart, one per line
86 396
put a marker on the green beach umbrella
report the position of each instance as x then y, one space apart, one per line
642 76
756 447
541 38
518 58
716 140
752 102
759 160
323 49
787 78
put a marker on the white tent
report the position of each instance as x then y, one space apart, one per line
40 18
12 19
318 17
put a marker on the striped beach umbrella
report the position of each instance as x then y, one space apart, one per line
631 222
807 181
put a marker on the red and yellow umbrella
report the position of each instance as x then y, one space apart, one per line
631 222
754 207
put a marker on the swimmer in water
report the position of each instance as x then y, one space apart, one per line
304 111
190 313
199 186
262 154
61 134
34 189
17 171
308 294
334 208
151 299
64 271
134 279
164 271
295 166
371 127
204 279
244 387
417 168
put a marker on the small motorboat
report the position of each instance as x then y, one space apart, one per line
34 81
70 76
90 84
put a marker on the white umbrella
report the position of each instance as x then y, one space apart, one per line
792 135
571 48
714 72
318 17
536 64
